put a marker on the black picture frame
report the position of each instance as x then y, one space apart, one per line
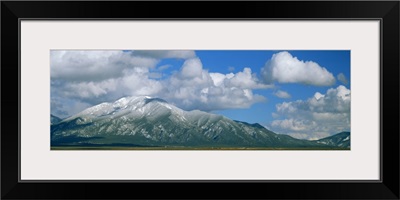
386 11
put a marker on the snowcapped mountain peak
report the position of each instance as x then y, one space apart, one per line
149 121
126 101
134 105
134 100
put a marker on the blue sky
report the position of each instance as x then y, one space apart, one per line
305 94
335 61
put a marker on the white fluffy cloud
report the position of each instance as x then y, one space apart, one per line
282 94
159 54
192 68
245 79
284 68
91 77
95 65
195 88
342 78
319 116
83 78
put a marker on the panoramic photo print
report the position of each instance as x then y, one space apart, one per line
200 100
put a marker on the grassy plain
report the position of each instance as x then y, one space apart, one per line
193 148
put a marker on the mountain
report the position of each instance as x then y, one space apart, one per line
146 121
340 140
54 119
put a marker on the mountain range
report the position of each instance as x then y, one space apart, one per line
340 140
54 119
152 122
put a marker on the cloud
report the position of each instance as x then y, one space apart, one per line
294 125
83 78
160 54
139 84
95 65
164 67
195 88
155 75
66 107
58 108
320 115
282 94
284 68
192 68
91 77
342 78
245 79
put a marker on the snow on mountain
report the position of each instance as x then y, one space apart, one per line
147 121
140 107
340 140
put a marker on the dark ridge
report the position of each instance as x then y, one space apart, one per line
54 119
154 99
257 125
341 134
69 124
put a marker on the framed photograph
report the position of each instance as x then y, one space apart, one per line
116 97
